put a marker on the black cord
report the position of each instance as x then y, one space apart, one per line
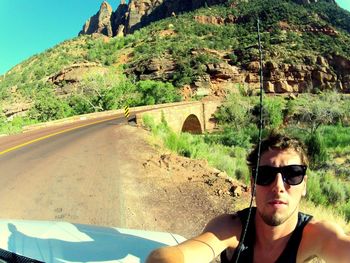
259 144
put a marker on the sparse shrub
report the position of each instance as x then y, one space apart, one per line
315 112
231 137
316 150
346 210
148 121
48 107
333 189
80 104
272 115
235 111
156 92
15 125
233 58
314 191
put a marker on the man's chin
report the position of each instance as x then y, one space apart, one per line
274 218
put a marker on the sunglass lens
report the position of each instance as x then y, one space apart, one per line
294 174
266 175
295 179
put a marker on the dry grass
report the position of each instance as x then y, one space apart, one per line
325 213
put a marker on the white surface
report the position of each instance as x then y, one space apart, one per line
65 242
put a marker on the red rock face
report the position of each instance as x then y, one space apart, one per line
215 20
138 13
100 22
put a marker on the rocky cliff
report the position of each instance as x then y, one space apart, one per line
139 13
325 73
322 72
100 22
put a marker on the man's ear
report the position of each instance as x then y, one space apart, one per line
305 183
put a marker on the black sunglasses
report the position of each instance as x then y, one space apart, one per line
291 174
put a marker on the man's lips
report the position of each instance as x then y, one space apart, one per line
277 202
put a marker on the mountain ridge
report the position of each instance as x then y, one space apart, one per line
139 13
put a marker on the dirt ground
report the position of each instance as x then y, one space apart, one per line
178 194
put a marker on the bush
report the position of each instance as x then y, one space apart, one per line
335 136
314 191
313 112
316 150
272 113
47 107
148 121
178 143
346 210
231 137
156 92
15 125
80 104
333 189
230 160
235 111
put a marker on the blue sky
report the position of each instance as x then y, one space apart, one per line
29 27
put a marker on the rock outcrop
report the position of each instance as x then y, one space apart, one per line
69 78
138 13
324 73
215 20
156 69
100 22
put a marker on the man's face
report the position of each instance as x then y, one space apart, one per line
277 202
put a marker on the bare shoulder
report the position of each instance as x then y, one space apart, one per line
324 229
226 227
327 240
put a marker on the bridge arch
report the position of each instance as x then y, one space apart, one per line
192 125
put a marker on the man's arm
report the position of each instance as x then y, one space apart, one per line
220 233
335 245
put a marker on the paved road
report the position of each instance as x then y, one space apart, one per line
74 176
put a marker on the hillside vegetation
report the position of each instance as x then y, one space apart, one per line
192 49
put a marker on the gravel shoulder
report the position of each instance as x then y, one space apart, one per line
173 193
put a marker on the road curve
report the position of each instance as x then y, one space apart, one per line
73 176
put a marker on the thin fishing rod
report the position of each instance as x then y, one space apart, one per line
259 143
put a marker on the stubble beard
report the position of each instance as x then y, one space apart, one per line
276 219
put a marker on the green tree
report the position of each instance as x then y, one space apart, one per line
156 92
314 112
48 107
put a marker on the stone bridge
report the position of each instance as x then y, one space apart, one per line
193 117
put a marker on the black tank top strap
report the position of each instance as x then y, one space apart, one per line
247 247
288 255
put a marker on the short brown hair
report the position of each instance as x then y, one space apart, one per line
278 141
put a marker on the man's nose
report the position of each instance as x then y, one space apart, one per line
278 184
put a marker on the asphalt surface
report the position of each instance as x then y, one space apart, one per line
72 176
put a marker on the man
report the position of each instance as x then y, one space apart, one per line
277 232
